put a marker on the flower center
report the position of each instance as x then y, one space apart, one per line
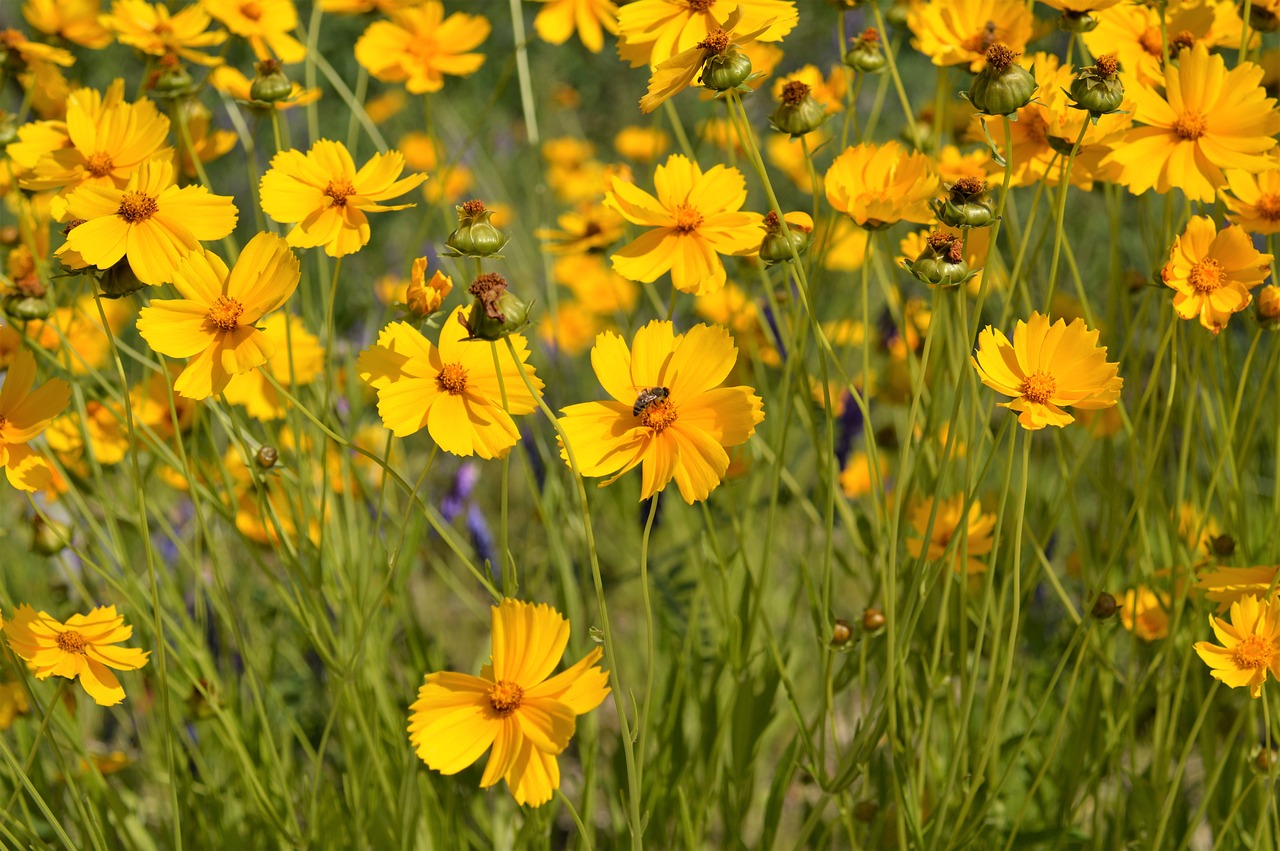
505 697
100 164
137 207
658 415
225 313
1190 125
1207 276
1152 43
340 191
251 10
699 5
1252 653
688 219
982 40
71 642
3 422
452 379
1268 207
1038 387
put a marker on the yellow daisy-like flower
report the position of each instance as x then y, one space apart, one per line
419 45
214 322
1253 200
590 228
591 19
878 185
1209 119
82 648
947 527
1047 367
24 414
233 83
515 706
958 32
151 221
1213 271
267 25
22 50
451 388
327 197
652 31
642 144
1250 644
1227 585
694 219
856 480
674 75
668 412
13 701
1132 31
297 365
75 20
1080 7
152 29
1145 613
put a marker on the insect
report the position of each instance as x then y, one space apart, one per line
988 35
647 397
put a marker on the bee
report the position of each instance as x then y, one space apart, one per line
647 397
988 35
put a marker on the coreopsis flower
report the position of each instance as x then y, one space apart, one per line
327 197
1047 367
668 413
13 701
19 50
947 526
451 388
1227 585
716 61
83 648
642 144
856 479
592 227
598 288
424 296
557 21
152 29
652 31
74 20
419 45
297 359
959 32
102 428
953 165
1132 31
1250 644
515 706
1253 200
1145 613
694 219
24 414
1209 119
234 84
151 221
214 323
878 185
266 24
1213 271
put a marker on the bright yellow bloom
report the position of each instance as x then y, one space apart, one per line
952 165
652 31
842 246
1213 271
877 185
856 479
24 414
103 428
75 332
231 82
267 25
324 193
597 287
1080 6
74 20
81 648
155 405
558 20
1254 199
1145 613
13 701
151 29
451 388
947 526
571 329
668 412
1227 585
515 705
1132 32
674 75
451 183
1047 367
151 221
731 307
1250 644
424 296
694 219
642 144
295 367
22 50
419 45
958 32
214 322
1209 119
592 227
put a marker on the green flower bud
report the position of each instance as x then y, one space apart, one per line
1104 606
797 113
896 15
496 312
119 281
266 457
967 205
171 80
1003 86
777 244
25 307
1098 88
270 84
942 262
865 55
48 537
1077 22
475 235
727 70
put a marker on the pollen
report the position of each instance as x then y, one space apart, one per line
969 186
472 208
1107 65
659 415
1268 207
505 697
1184 40
100 165
71 641
452 379
137 207
794 92
699 5
688 219
1191 125
1207 275
1038 387
717 42
1000 56
1252 653
225 313
340 191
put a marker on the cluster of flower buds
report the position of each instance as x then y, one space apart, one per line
1003 86
967 204
1097 88
798 112
785 238
941 263
866 54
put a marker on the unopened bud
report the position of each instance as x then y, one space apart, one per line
475 235
270 84
1104 606
872 619
1003 86
841 633
266 456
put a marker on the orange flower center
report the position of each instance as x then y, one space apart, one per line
251 10
452 379
981 41
3 422
1152 43
688 219
71 642
658 415
1207 276
137 207
225 313
505 697
1038 387
699 5
1190 125
340 191
100 164
1252 653
1268 207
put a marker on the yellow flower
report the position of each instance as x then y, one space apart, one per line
422 153
151 29
1227 585
419 45
668 410
592 227
22 51
1080 6
1196 528
424 297
842 245
76 332
74 20
152 401
598 288
103 426
953 165
877 185
1213 271
571 329
642 144
1047 367
827 91
515 705
452 388
558 19
81 648
947 525
1254 199
652 31
151 221
231 82
1209 119
265 23
787 154
694 220
674 75
324 193
1145 613
13 702
1132 32
958 32
24 414
214 321
294 366
731 307
1250 644
856 479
